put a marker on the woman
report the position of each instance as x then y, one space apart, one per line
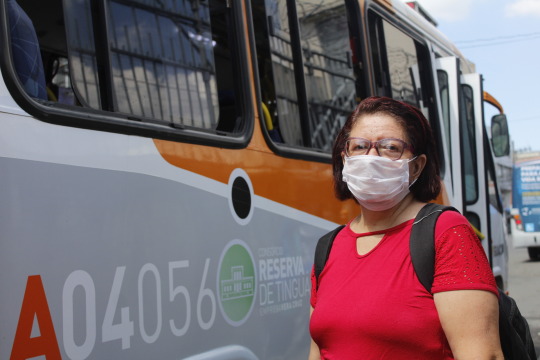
369 303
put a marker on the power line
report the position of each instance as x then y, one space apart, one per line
525 119
499 40
497 43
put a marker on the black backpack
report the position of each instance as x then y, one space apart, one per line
516 340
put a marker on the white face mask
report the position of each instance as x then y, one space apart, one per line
376 182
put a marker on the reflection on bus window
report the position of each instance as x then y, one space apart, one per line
165 62
400 64
162 64
277 74
25 51
327 67
402 70
82 51
444 92
500 135
326 82
468 138
61 79
493 190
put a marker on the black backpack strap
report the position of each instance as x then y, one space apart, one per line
322 251
422 242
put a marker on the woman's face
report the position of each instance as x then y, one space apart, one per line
379 126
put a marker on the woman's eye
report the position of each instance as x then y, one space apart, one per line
391 148
361 147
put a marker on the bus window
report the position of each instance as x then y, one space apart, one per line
499 135
327 68
402 70
504 163
158 63
468 135
401 65
402 59
493 189
276 69
445 103
26 51
306 73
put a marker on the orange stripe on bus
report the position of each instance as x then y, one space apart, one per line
303 185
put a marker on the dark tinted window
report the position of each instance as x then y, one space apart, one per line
444 93
401 65
468 139
402 70
306 71
172 62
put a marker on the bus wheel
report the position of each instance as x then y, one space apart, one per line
534 253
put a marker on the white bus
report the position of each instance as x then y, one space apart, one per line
165 165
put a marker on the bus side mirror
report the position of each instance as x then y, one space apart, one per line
500 137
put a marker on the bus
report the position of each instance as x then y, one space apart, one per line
166 165
525 213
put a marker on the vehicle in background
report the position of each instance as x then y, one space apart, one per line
525 213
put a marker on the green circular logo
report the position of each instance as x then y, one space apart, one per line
236 282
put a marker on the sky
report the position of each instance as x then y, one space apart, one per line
502 38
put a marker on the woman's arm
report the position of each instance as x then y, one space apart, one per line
314 353
470 320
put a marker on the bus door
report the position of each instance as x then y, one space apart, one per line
483 206
497 218
461 100
473 164
449 87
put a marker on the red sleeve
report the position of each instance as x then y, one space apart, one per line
313 299
460 260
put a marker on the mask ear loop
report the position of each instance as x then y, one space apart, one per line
414 158
411 184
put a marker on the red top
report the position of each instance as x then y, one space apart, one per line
373 306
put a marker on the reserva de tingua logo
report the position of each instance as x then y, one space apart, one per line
236 282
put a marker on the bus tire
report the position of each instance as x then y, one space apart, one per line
534 253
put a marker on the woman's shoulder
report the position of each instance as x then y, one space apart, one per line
448 220
452 218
